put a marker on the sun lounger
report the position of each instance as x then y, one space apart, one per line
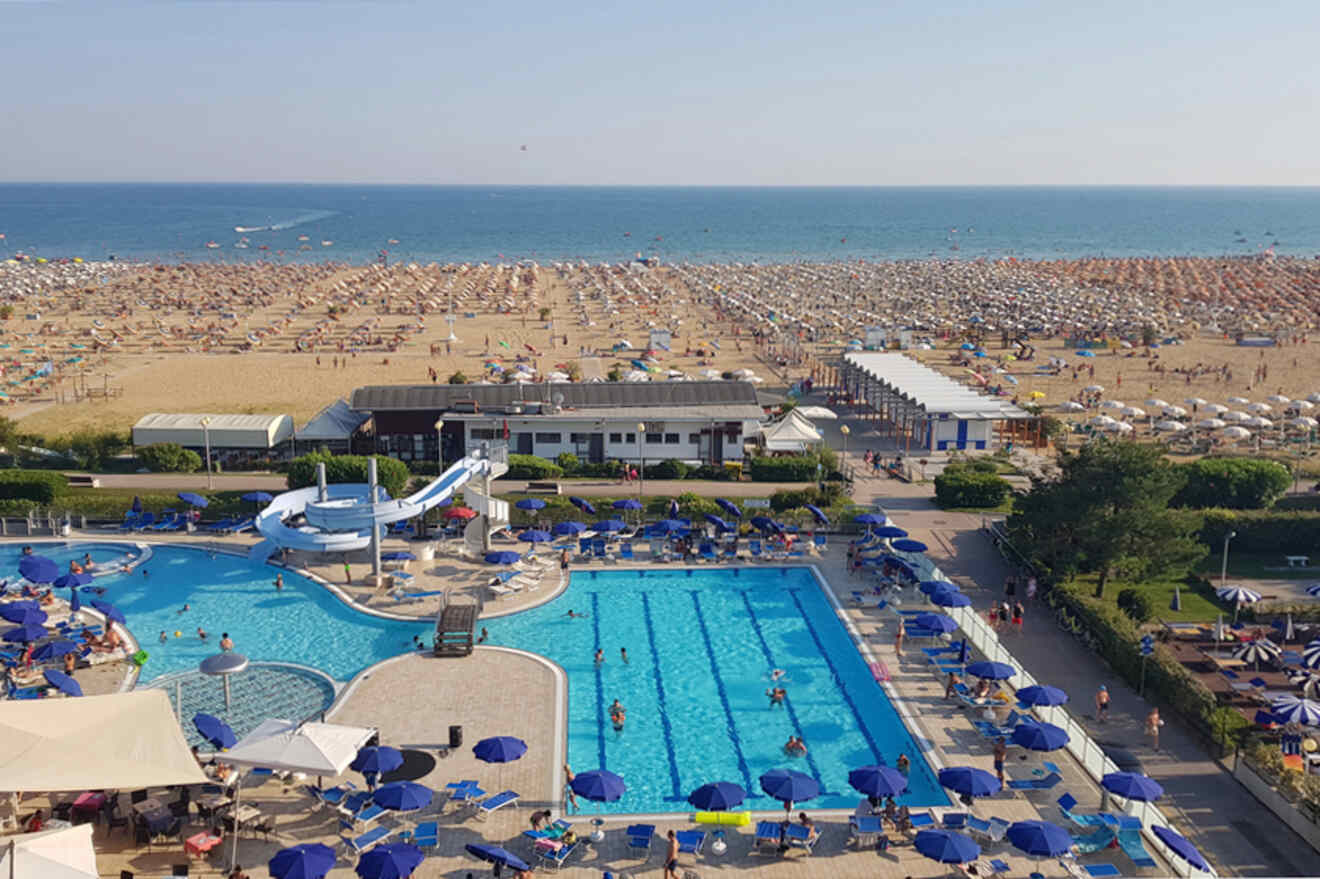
145 521
955 820
495 803
998 829
426 835
691 841
598 548
1129 840
998 868
130 522
1094 841
754 549
368 815
354 803
584 547
626 550
866 829
242 525
978 827
555 857
921 820
819 540
707 552
1049 782
1102 871
372 837
799 836
767 834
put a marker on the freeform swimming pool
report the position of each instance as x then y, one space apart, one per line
701 644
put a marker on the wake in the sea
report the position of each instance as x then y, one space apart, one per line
308 217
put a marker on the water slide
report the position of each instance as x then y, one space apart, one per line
342 522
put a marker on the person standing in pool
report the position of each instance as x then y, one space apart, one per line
623 654
201 633
226 643
600 656
279 582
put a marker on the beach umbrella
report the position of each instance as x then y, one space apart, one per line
995 671
1094 389
969 781
1180 847
1132 412
54 650
398 556
460 513
25 633
1235 432
1071 406
1175 411
1237 595
599 786
608 525
889 532
259 497
215 731
1039 736
717 796
1040 839
1290 709
627 503
38 569
789 785
535 535
136 506
1260 407
1256 650
402 796
878 781
502 557
1211 423
1085 353
193 499
717 522
530 503
765 524
946 846
24 615
667 526
818 514
62 682
1170 426
583 504
870 519
673 509
1132 786
949 598
493 854
1041 694
311 860
1215 408
1192 401
499 749
394 860
930 587
905 545
1157 403
729 507
377 760
568 529
936 622
1311 656
110 612
72 580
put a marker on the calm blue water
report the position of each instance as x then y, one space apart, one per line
473 223
701 644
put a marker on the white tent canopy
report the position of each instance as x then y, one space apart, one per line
314 748
122 741
66 853
817 413
793 434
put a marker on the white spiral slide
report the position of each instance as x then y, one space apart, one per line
343 520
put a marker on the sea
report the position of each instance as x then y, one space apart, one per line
359 224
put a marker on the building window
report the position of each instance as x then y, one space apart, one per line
579 437
655 437
630 438
616 437
671 439
484 433
550 438
694 438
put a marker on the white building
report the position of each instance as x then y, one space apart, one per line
258 433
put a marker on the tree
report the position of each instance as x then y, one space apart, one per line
614 375
970 484
1108 513
391 473
1148 336
169 458
93 448
9 433
1234 483
458 378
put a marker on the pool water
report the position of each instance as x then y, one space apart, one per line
701 644
104 555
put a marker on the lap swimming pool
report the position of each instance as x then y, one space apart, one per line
701 644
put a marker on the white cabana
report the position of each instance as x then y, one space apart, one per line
817 413
122 741
794 433
66 853
313 748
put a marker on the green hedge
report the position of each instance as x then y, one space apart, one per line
961 485
532 467
667 469
1294 502
793 468
41 486
390 472
1235 483
169 458
1262 531
794 498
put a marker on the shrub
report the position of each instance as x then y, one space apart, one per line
1308 502
614 375
1135 604
667 469
41 486
169 458
711 472
973 484
569 463
1235 483
532 467
795 498
695 506
793 468
457 378
390 472
91 449
1261 531
606 469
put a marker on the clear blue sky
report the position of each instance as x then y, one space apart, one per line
680 92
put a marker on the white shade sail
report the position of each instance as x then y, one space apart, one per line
66 853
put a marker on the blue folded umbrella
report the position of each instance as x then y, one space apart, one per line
72 580
493 854
946 846
395 860
667 526
38 569
535 535
627 503
398 556
24 633
377 760
1180 847
310 860
969 781
53 650
583 504
905 545
673 509
717 522
530 503
403 796
878 781
789 785
608 525
818 513
599 786
729 507
717 796
1132 786
193 499
1039 736
111 612
259 497
215 731
995 671
1040 839
30 616
766 524
568 529
936 622
502 557
62 682
1041 694
500 749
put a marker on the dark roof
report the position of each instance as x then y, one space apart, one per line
576 395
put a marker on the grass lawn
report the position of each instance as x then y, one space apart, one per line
1198 606
1255 566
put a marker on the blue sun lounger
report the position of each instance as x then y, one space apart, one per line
639 838
556 858
1102 871
1094 841
495 803
798 836
1129 840
626 550
360 844
768 833
920 820
1047 783
426 834
691 841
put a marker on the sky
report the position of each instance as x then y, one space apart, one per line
673 93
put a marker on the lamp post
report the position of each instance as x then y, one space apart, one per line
843 465
1223 570
206 441
440 444
641 462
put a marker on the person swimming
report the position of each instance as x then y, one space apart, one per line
777 696
795 747
777 674
600 656
618 715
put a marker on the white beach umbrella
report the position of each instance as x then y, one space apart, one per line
1278 398
1112 404
1120 427
1101 421
1305 422
1071 406
1314 591
1311 687
1259 422
1215 408
1238 595
1132 412
1300 406
1194 401
1094 389
1254 651
1235 433
1170 426
1175 411
1311 656
1260 407
1235 416
1313 397
1238 401
1210 424
1156 403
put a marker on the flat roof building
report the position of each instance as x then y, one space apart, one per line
246 432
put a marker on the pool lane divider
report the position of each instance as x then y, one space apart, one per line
600 681
788 701
734 738
675 781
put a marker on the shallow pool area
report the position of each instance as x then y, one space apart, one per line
701 645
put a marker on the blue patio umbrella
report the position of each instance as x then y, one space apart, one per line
377 760
500 749
25 615
818 514
717 796
936 622
729 507
1041 694
1180 846
311 860
136 506
715 520
1132 786
765 524
568 529
1039 736
1290 709
72 580
398 556
905 545
869 519
930 587
995 671
946 846
259 497
394 860
1040 839
493 854
194 499
948 598
216 732
673 509
109 610
38 569
878 781
530 503
502 557
969 781
599 786
608 525
535 535
667 526
583 504
627 503
402 796
24 633
789 785
888 532
62 682
53 650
